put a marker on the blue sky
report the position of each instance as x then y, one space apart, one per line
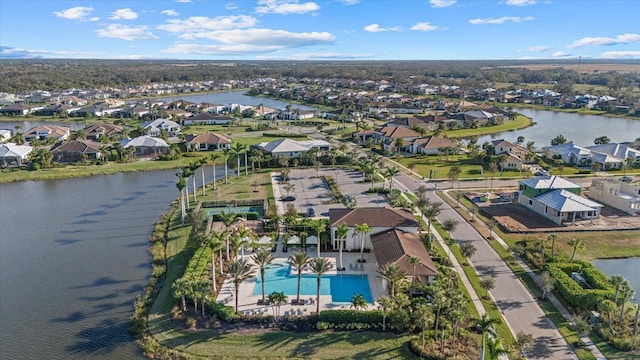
320 30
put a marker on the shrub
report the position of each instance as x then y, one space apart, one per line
335 317
223 312
398 320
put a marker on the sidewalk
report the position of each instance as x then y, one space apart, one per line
552 298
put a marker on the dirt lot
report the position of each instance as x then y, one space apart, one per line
514 217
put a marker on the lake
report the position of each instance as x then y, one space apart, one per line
581 129
235 97
73 258
628 268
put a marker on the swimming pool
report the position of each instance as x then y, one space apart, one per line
341 287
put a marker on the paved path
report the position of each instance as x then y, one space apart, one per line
519 308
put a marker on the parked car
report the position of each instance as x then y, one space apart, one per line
541 173
289 198
311 212
626 179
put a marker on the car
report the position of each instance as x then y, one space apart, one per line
541 173
311 212
288 198
626 179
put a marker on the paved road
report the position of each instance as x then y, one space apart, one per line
519 308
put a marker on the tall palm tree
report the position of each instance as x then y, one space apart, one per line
441 301
486 325
318 226
319 266
180 288
358 302
201 288
542 245
627 291
362 230
237 149
414 261
389 173
575 243
385 303
455 316
299 260
193 167
220 237
181 184
228 219
262 259
553 238
423 314
215 245
393 275
245 237
341 233
430 212
214 159
239 271
495 348
226 152
616 281
203 162
186 173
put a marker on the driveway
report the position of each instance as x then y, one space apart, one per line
519 308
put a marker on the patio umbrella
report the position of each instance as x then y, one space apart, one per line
264 240
293 240
312 240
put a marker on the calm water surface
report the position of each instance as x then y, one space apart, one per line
73 257
235 97
629 269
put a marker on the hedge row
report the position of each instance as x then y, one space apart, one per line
223 312
198 263
573 293
250 215
596 278
336 317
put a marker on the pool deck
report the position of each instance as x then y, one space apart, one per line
248 302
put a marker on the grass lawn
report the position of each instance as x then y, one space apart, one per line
242 188
519 122
423 164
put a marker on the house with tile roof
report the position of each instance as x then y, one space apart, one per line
76 151
557 199
157 126
45 132
147 146
97 131
291 148
431 145
207 119
207 141
12 155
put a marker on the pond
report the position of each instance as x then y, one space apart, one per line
629 268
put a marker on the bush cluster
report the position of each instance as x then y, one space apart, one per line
572 292
221 311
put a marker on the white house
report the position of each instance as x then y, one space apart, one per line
207 119
617 194
291 148
155 127
14 155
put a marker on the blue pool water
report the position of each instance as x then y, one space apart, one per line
341 287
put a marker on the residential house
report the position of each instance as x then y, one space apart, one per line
207 141
393 238
389 136
432 145
557 199
19 109
617 194
290 148
5 134
45 132
296 114
158 126
12 155
609 156
147 146
76 151
97 131
502 146
207 119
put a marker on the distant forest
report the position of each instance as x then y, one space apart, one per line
25 75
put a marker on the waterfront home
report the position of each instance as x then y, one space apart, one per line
556 199
617 194
207 119
609 156
45 132
76 151
207 141
97 131
147 146
14 155
502 146
389 136
290 148
432 145
5 134
157 126
19 109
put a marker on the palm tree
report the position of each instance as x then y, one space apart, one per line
289 188
226 152
609 307
616 281
180 288
455 316
220 237
318 226
486 325
228 219
542 245
575 243
277 299
262 259
194 166
358 302
239 271
319 266
214 159
627 291
385 303
450 226
215 244
181 184
441 301
203 162
423 314
245 237
430 212
553 238
341 233
495 348
362 230
393 275
186 173
299 260
201 288
389 173
414 261
238 149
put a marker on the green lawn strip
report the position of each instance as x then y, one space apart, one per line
474 279
519 122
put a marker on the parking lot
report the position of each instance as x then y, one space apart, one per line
311 190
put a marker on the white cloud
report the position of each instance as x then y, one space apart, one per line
74 13
237 49
95 18
124 14
349 2
267 37
442 3
521 2
605 41
7 52
285 7
183 1
560 54
197 24
317 56
424 26
620 55
538 48
230 6
374 28
124 32
169 12
502 20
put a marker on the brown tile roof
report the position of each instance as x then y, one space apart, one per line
373 216
433 142
396 132
397 246
207 138
107 129
78 146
